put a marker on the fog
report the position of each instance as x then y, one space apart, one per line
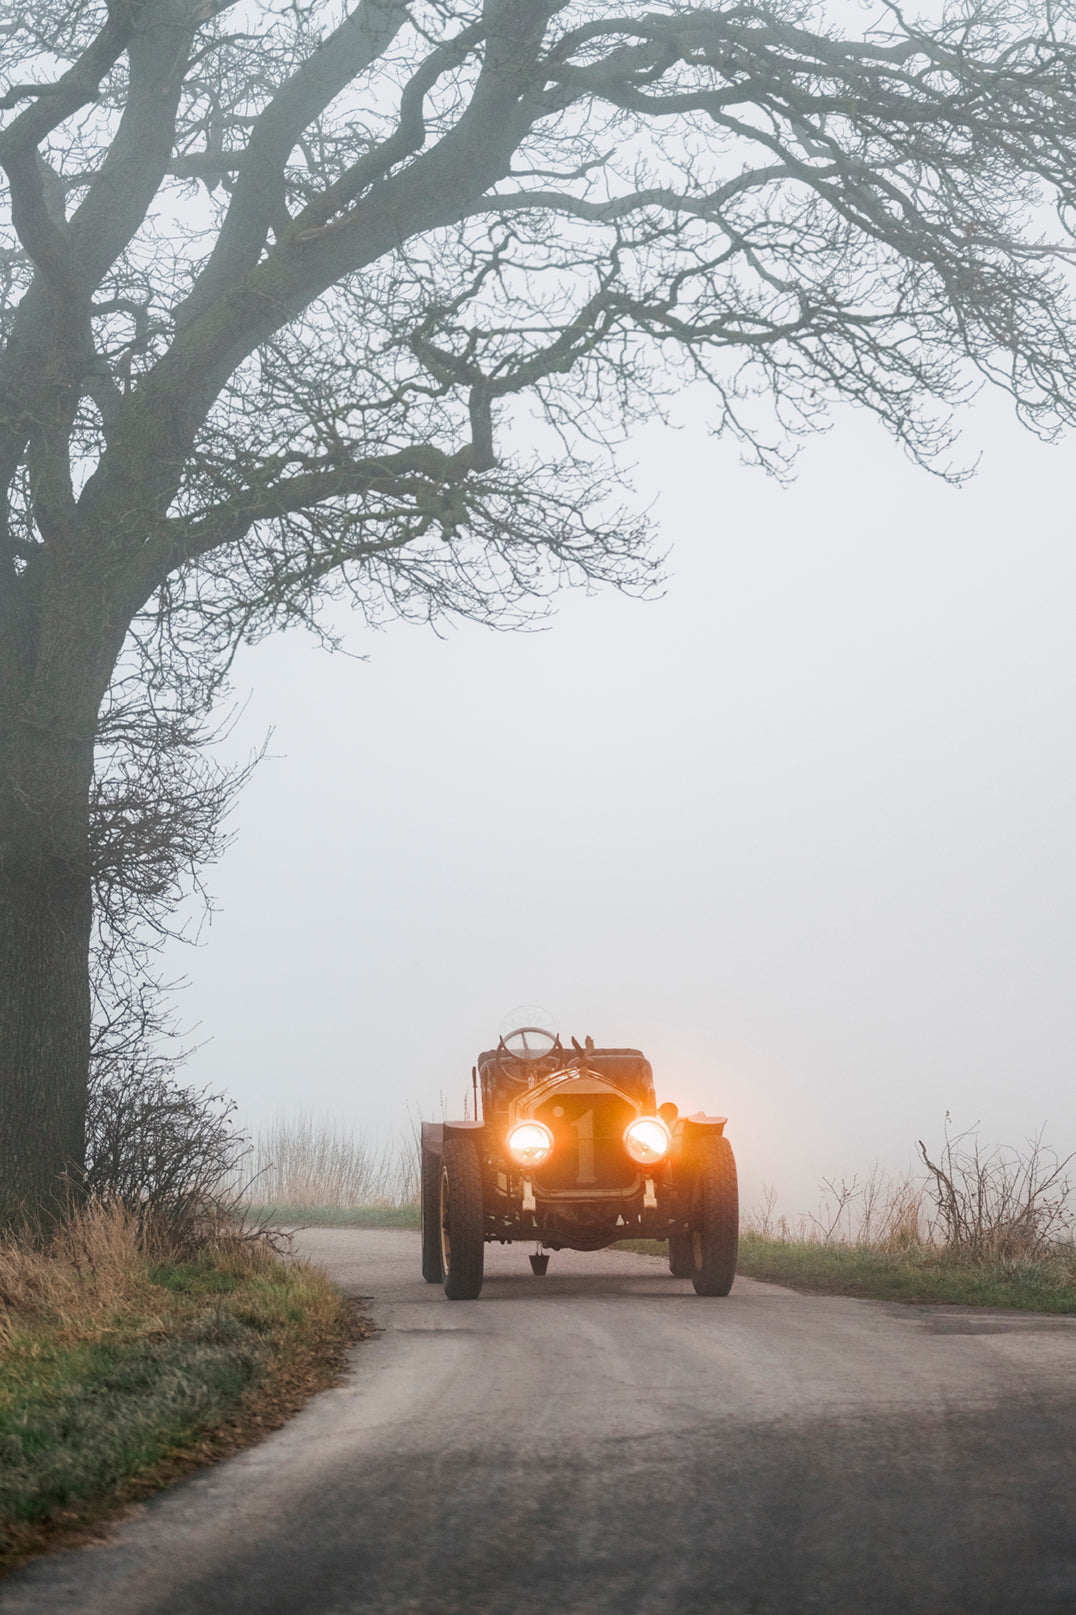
801 829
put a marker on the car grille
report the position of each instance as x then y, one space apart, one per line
588 1144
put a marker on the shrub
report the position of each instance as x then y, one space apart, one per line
997 1204
166 1152
1000 1202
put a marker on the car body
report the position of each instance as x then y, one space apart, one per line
568 1149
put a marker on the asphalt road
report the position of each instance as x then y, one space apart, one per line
604 1442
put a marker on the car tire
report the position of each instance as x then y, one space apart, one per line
715 1219
462 1219
431 1217
681 1263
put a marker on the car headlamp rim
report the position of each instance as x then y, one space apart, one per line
647 1140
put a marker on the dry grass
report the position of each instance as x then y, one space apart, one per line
124 1362
981 1226
307 1162
881 1210
100 1257
90 1266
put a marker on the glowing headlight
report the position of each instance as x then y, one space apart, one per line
530 1143
647 1139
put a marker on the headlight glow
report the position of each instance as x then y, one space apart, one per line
647 1140
530 1143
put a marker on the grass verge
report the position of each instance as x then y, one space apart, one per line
1027 1284
121 1370
921 1274
328 1216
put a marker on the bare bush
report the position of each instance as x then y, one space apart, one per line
835 1209
764 1222
996 1203
881 1209
899 1221
167 1153
1000 1202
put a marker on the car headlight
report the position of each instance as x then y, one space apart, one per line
647 1140
530 1143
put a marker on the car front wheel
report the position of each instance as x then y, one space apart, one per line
461 1215
715 1220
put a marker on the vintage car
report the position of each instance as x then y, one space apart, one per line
571 1151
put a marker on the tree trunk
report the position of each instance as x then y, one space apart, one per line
45 916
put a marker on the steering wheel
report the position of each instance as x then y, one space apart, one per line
528 1043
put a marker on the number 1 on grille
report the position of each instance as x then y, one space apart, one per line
583 1127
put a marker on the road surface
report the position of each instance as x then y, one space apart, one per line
604 1442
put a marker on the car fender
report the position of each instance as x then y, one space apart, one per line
698 1125
689 1131
435 1133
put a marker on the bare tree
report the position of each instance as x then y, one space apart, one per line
281 283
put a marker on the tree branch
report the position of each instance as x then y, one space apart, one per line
177 542
258 195
54 103
138 157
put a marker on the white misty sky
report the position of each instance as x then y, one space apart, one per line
802 829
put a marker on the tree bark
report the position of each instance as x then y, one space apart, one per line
45 917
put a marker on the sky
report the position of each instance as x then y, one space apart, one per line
801 829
